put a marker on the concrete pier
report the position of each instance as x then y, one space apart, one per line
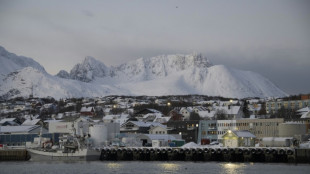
14 155
290 155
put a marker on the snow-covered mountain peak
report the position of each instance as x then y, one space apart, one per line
63 74
160 66
161 75
10 62
89 69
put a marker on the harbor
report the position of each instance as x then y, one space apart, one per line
259 155
270 155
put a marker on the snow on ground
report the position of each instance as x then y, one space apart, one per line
194 145
305 145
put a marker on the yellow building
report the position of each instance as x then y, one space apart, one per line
238 139
260 127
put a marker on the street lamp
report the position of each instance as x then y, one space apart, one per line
196 133
169 104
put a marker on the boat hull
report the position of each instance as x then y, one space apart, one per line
84 155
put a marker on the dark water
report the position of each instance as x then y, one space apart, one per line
137 167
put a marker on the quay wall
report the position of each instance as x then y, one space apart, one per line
14 155
284 155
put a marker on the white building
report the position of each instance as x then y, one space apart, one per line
158 130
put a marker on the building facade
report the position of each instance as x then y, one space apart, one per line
272 107
213 130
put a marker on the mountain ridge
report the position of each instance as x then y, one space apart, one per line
161 75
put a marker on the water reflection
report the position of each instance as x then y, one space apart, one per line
233 168
172 167
114 165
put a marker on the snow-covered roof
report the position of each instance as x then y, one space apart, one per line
305 115
52 121
251 101
244 133
30 122
154 127
110 117
306 109
164 137
277 138
229 109
153 114
121 119
153 110
190 145
206 114
7 120
201 108
17 129
162 119
86 109
189 109
145 124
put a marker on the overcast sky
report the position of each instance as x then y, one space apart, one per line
268 37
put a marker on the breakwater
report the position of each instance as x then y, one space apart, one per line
14 155
290 155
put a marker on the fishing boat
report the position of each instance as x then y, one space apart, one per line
70 148
59 155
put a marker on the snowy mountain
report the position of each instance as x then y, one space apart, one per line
11 62
89 69
161 75
158 67
63 74
23 81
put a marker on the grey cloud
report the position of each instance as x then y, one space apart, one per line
88 13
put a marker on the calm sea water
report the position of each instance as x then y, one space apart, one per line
137 167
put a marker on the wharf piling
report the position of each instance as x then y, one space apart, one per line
14 155
264 154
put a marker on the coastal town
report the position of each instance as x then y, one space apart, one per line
167 121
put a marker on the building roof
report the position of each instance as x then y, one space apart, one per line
154 127
306 109
148 110
230 110
117 118
201 108
189 109
145 124
87 109
17 129
206 114
305 115
30 122
244 133
164 137
7 120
